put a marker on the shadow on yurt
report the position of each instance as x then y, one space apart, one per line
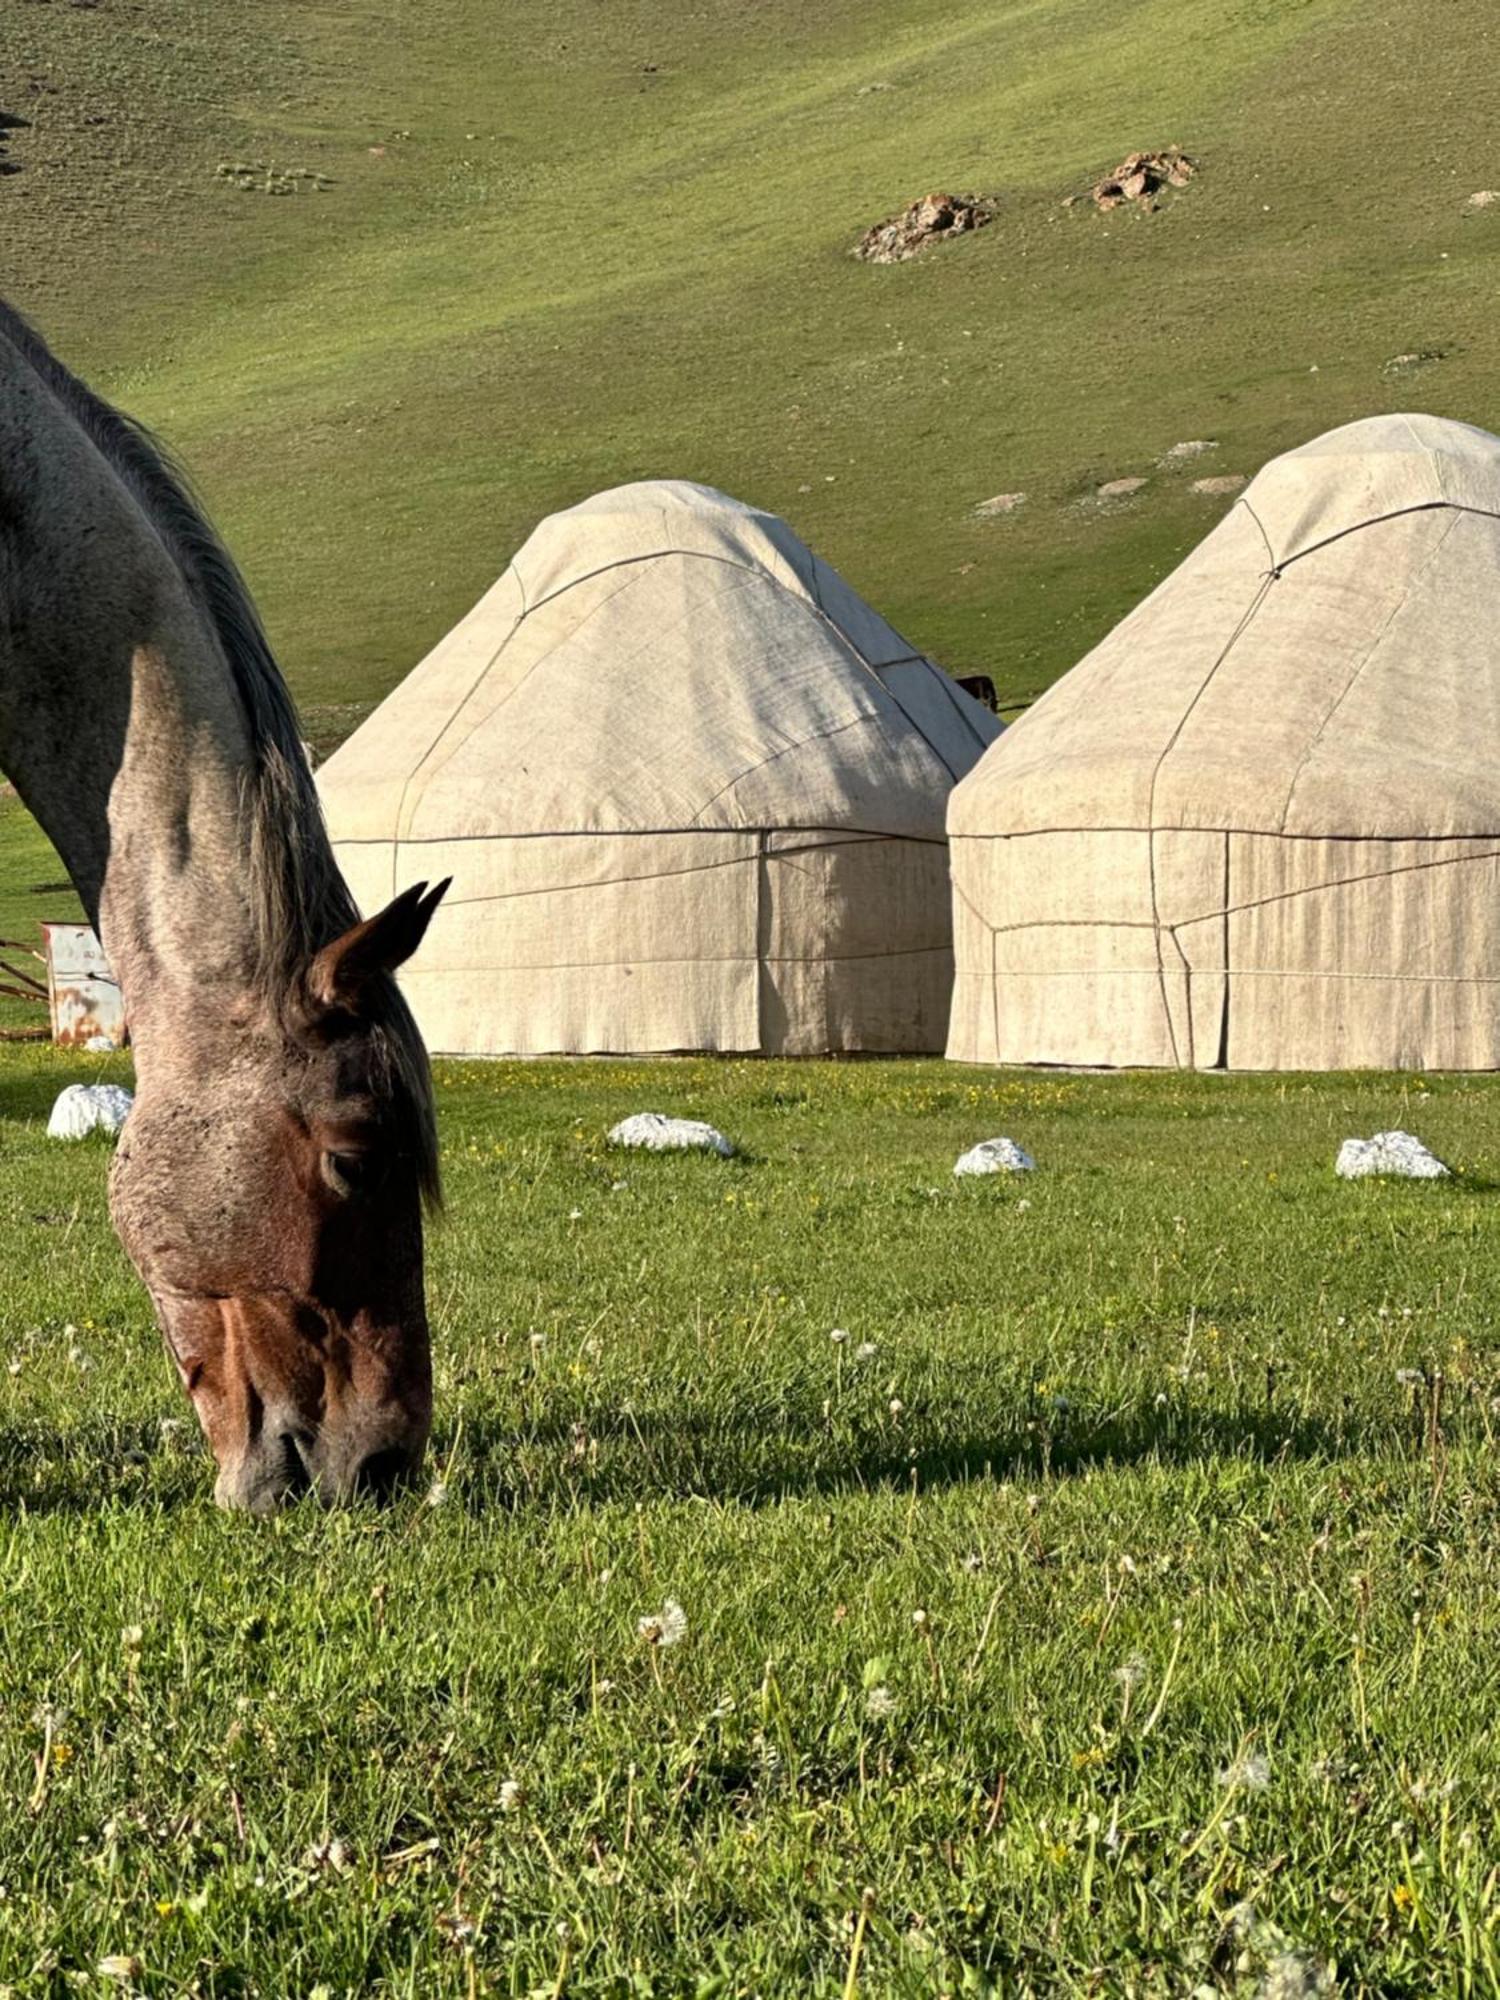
690 789
1258 827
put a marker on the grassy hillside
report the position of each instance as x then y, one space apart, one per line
564 246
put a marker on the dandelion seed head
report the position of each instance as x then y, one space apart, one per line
1247 1774
667 1627
880 1703
1291 1975
512 1795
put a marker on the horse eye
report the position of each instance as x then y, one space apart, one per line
348 1173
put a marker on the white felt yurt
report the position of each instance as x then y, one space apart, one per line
690 789
1258 827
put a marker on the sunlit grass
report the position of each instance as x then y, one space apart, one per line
1181 1449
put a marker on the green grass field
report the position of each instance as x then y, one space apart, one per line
1183 1451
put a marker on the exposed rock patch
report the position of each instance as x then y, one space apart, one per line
656 1133
1140 177
925 221
1001 503
88 1107
1485 198
1222 482
994 1156
1419 357
257 177
1395 1153
1118 489
1189 448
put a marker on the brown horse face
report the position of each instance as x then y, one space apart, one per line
269 1190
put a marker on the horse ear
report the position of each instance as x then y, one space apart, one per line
341 970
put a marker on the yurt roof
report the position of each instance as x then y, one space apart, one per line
1326 662
661 656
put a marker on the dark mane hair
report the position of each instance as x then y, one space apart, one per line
301 901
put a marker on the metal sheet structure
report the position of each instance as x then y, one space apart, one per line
83 994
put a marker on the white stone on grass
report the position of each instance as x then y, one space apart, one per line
656 1133
89 1107
100 1045
1395 1153
995 1156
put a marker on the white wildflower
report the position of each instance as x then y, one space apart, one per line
575 1215
1410 1378
839 1335
973 1562
131 1638
880 1703
919 1618
897 1407
865 1351
667 1627
437 1493
1247 1773
512 1795
1290 1975
1132 1673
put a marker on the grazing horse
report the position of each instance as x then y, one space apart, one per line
269 1182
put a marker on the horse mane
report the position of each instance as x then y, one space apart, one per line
300 899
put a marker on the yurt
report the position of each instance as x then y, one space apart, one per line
1258 827
690 790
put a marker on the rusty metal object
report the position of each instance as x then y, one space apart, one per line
83 995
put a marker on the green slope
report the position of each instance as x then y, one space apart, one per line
571 245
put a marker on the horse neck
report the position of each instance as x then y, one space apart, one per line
119 721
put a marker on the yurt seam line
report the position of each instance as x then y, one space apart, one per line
1377 520
1254 972
850 833
1369 653
469 693
420 770
1230 909
788 750
1156 770
694 958
1245 832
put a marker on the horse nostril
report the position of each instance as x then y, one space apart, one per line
296 1476
382 1472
